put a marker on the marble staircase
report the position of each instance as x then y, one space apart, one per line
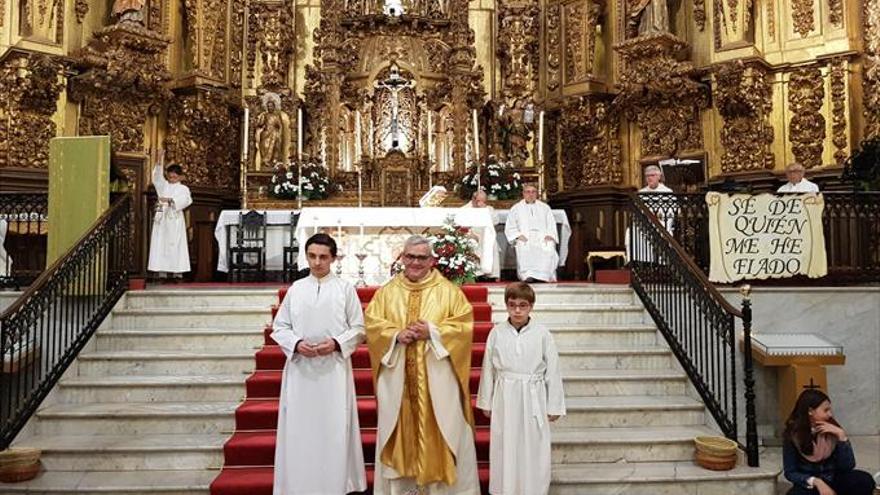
148 405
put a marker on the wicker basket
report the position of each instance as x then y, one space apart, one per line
715 453
19 464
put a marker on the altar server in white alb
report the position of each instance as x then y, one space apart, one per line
796 182
521 390
169 253
531 229
318 326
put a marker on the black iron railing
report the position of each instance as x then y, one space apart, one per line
23 228
696 321
851 224
42 332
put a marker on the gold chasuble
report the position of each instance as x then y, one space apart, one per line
416 447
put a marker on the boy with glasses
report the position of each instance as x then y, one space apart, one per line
521 391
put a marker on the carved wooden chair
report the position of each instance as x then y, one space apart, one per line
247 256
291 252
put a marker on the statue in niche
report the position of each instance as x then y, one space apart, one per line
396 107
515 124
648 16
272 133
128 11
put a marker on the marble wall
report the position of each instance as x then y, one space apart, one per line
849 316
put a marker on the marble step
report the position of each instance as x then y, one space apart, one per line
660 478
185 482
582 314
137 418
635 444
130 453
632 411
609 335
624 358
155 388
175 339
222 317
153 362
189 298
560 293
611 382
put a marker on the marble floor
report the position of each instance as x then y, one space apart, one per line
867 449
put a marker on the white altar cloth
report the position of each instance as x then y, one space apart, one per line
278 232
380 233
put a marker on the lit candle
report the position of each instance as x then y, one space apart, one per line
362 236
541 136
339 229
476 139
299 134
244 141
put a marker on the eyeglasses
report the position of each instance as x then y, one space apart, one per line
417 257
518 306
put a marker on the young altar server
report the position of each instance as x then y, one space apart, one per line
521 390
169 253
318 326
531 230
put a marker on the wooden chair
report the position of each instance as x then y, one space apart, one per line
291 252
248 254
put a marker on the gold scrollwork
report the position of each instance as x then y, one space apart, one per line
803 17
806 92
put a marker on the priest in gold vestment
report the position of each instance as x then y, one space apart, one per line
419 330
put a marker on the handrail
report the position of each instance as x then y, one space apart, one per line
25 217
696 321
42 332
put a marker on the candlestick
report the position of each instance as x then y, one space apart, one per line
339 229
299 191
430 138
476 139
357 139
541 136
245 128
299 133
360 192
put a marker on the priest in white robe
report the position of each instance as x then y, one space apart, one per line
521 390
531 229
419 332
318 326
796 182
480 200
169 252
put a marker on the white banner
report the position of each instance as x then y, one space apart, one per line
765 236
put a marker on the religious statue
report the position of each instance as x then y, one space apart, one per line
128 11
272 134
648 16
515 124
396 111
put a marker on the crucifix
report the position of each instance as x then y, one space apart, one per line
394 84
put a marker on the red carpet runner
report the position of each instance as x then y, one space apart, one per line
250 452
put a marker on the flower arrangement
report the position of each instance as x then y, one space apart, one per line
455 249
497 178
316 183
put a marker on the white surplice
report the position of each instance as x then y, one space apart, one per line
667 218
318 451
535 258
521 385
496 263
168 245
804 186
